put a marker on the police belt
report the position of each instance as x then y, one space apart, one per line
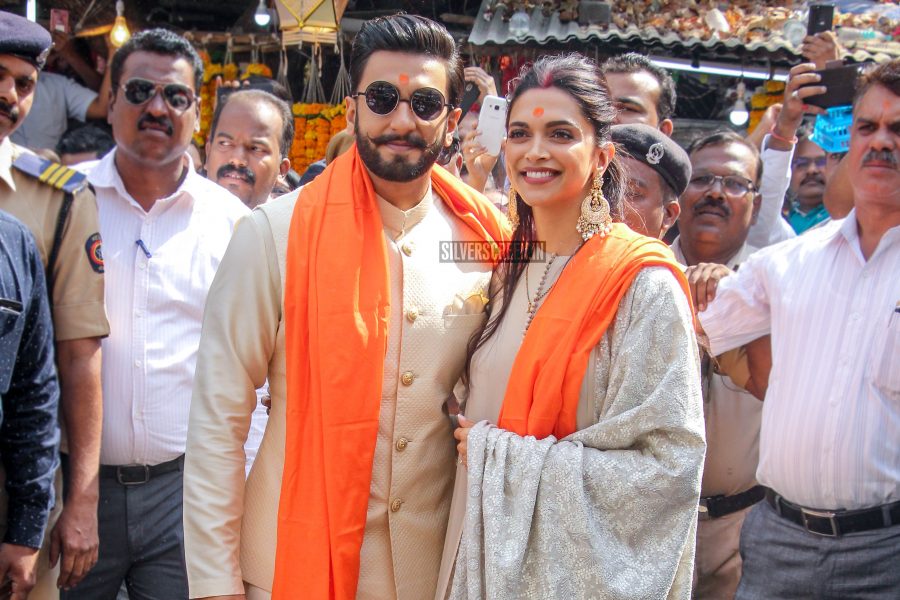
713 507
139 474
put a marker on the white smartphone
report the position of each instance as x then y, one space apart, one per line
492 124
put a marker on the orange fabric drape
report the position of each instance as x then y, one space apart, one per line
542 394
337 309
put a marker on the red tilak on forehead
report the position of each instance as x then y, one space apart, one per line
537 112
404 78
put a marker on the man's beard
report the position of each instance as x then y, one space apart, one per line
398 169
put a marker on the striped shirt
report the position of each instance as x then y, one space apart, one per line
155 296
831 418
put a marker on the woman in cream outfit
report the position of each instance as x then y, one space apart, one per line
609 510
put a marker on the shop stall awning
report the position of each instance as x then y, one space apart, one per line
747 32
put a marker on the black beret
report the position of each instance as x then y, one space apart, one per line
656 150
24 39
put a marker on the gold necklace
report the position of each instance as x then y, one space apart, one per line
540 293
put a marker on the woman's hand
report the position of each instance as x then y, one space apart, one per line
462 439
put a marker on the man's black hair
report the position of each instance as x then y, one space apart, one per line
157 41
723 138
86 138
635 63
280 106
411 34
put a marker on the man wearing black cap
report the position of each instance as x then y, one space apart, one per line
61 212
720 204
658 173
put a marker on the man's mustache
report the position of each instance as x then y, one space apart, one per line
240 170
10 111
884 156
414 140
149 119
716 203
813 177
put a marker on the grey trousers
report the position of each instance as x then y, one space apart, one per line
141 542
784 561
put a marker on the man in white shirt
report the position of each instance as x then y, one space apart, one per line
167 228
830 527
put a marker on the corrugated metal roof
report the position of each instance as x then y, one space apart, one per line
545 30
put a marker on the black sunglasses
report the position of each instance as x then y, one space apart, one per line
139 91
383 97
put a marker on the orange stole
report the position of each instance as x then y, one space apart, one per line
337 309
542 394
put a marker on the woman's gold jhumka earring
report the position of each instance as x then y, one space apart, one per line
595 218
512 210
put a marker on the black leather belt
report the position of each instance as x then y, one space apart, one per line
712 507
834 523
139 474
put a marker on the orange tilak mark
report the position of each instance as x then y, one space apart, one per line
537 112
404 78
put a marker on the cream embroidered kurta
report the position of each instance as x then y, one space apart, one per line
230 528
610 511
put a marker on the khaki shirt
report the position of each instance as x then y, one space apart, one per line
77 294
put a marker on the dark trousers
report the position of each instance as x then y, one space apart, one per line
141 542
784 561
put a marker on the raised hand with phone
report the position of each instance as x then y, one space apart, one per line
803 82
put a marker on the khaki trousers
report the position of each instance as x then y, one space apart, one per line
717 566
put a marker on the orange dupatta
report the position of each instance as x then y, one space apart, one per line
542 394
337 309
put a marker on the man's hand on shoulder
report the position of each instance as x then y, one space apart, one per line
704 279
17 570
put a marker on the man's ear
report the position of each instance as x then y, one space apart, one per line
757 202
666 127
284 167
671 210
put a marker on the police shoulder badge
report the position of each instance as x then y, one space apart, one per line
655 153
94 249
53 174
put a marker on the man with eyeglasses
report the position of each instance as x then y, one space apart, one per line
55 203
165 230
718 207
344 305
807 186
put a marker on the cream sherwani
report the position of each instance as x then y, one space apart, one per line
230 527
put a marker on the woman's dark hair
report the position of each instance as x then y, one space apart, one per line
157 41
584 82
411 34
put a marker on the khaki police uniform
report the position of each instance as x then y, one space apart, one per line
76 277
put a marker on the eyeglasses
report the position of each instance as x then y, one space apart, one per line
732 184
803 162
383 97
139 91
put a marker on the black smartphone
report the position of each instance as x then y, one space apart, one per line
470 97
840 86
821 16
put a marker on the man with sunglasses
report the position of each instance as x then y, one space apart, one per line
807 187
361 352
61 213
718 207
165 230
